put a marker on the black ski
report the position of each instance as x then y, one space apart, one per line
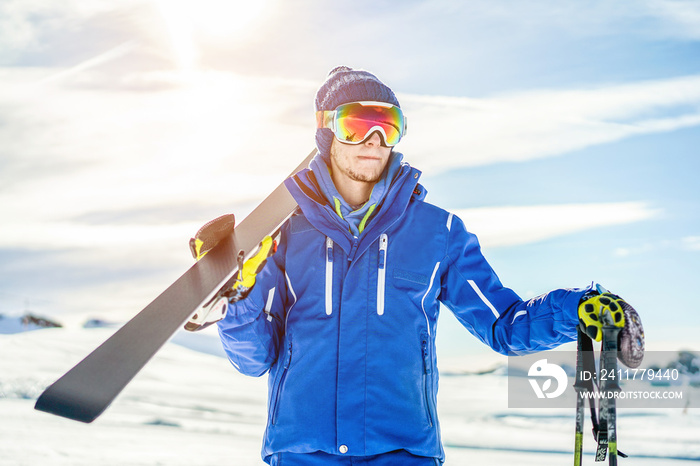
86 390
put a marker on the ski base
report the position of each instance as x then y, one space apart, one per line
85 391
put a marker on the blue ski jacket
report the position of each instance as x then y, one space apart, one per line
346 325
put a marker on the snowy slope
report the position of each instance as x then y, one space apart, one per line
189 407
184 408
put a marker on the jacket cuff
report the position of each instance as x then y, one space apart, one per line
242 312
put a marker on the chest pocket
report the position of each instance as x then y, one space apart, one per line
329 276
413 277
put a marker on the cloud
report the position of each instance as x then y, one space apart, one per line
110 159
684 244
72 262
457 132
653 18
691 243
69 150
513 226
678 18
29 27
73 152
627 251
112 54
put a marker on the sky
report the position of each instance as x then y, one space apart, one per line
563 133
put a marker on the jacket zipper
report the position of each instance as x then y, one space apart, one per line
426 378
329 276
381 273
278 390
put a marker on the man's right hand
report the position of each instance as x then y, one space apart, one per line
251 267
216 230
205 240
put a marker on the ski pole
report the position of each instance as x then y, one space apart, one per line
610 384
580 388
585 365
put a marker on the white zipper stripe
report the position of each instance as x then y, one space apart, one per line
484 298
422 301
329 276
268 303
381 272
291 290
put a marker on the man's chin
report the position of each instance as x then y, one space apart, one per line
364 177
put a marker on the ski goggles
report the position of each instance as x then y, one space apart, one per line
354 122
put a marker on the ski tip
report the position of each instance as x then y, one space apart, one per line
64 408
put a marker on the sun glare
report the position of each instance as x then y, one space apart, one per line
226 18
192 23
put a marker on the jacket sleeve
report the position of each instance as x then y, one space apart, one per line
252 329
496 314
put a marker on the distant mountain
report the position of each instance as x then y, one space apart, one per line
25 323
100 323
687 365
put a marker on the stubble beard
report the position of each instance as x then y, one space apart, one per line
352 174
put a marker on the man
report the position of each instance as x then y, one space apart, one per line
343 315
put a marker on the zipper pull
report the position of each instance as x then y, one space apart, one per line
353 248
329 250
383 244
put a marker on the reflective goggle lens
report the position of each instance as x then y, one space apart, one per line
352 123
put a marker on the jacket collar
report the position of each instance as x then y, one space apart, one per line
306 190
357 218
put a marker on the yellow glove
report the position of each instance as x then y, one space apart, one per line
216 230
591 310
217 308
250 269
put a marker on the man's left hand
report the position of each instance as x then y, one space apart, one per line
591 310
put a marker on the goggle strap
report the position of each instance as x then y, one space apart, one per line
325 119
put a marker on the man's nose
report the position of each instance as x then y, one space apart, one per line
375 139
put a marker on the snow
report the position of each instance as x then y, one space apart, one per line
190 407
